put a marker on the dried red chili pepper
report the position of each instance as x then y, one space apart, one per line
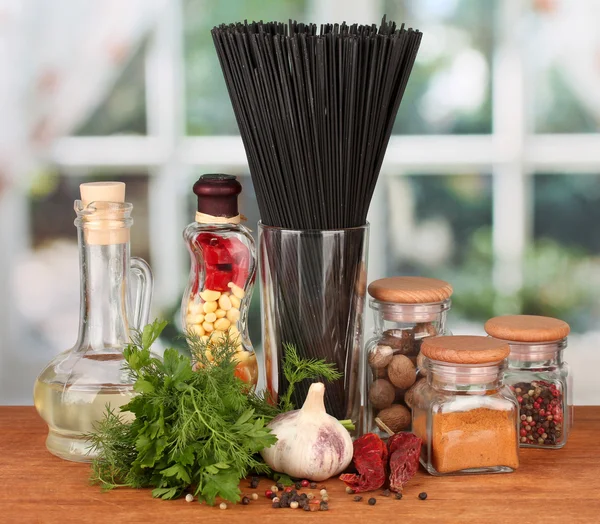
404 450
370 458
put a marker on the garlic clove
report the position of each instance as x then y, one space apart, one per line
310 443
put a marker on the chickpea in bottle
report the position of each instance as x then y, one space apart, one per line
223 266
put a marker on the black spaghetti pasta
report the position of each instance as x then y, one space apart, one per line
315 109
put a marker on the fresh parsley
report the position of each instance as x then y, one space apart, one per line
199 430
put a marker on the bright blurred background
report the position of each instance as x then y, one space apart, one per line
491 180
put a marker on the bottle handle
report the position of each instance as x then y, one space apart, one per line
143 297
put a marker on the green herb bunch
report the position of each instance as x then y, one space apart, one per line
199 430
197 426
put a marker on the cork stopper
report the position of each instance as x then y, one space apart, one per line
105 225
465 349
527 328
410 290
218 195
102 192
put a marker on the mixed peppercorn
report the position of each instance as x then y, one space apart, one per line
542 416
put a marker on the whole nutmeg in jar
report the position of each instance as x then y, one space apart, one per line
407 311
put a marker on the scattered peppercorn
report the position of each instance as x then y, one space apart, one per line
268 493
223 505
306 507
189 497
294 505
315 505
310 496
254 496
280 486
423 495
275 505
245 500
288 489
298 485
276 499
254 482
385 493
357 498
274 489
349 490
323 492
313 485
372 501
305 483
325 498
398 496
324 506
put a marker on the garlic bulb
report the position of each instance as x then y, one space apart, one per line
310 443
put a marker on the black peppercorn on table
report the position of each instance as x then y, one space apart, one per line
561 486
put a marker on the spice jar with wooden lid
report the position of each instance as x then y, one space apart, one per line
538 375
468 419
407 310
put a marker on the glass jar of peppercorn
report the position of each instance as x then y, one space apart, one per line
538 375
223 256
407 311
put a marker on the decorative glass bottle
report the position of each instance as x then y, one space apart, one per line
223 257
407 310
71 394
465 415
538 375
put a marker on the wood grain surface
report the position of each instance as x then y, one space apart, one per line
551 486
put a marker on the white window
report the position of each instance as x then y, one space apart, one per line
490 180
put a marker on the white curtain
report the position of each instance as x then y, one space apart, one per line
58 59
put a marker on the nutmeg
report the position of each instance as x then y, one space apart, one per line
381 394
425 329
402 372
400 340
409 396
396 417
421 364
379 373
380 356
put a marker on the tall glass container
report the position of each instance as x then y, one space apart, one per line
539 376
223 268
71 394
313 297
407 310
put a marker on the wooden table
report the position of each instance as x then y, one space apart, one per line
551 486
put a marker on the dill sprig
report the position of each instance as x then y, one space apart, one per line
296 369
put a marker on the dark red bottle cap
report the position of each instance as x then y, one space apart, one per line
218 195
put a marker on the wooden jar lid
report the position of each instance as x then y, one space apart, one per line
527 328
410 290
465 349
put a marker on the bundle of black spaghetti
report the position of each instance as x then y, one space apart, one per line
315 109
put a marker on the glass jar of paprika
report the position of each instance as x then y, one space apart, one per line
407 311
465 415
223 256
538 375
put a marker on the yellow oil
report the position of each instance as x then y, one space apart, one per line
71 411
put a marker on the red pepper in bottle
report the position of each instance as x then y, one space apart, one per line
222 274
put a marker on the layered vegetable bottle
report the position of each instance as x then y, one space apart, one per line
223 265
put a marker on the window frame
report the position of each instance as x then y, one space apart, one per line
511 153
